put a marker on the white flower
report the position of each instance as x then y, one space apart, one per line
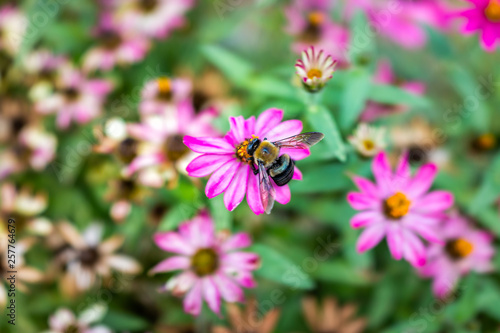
315 69
368 140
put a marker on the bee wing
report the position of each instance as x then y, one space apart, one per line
266 189
300 141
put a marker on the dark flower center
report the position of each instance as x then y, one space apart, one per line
200 99
241 150
71 93
110 39
157 212
148 5
22 152
312 32
126 188
396 206
72 329
417 155
484 142
127 150
205 262
17 124
175 148
458 248
89 256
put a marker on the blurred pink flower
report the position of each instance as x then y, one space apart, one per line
76 98
161 151
213 267
385 76
33 148
398 207
309 23
403 21
13 24
162 94
153 18
227 160
466 249
43 64
315 69
117 46
484 16
64 321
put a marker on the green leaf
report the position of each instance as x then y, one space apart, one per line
220 214
382 302
236 69
466 305
354 97
270 86
489 190
340 272
322 121
323 178
278 268
179 213
121 321
387 94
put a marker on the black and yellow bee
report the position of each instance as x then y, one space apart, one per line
266 155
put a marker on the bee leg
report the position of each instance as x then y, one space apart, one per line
254 168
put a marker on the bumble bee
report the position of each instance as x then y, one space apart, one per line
266 155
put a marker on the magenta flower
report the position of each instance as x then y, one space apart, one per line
466 249
227 160
161 151
310 23
385 75
399 208
153 18
213 267
117 46
162 95
485 16
76 98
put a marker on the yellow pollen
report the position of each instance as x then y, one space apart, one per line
164 85
314 72
396 206
487 141
316 18
459 248
492 12
368 144
241 150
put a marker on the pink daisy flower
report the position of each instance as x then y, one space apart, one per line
213 267
407 19
76 98
315 69
466 249
64 321
485 16
229 164
399 208
161 95
310 23
13 24
161 153
116 47
153 18
385 75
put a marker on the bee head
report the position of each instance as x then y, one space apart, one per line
252 146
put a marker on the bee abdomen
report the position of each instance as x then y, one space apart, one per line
282 170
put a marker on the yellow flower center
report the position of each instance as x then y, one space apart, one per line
396 206
241 150
486 141
164 88
368 144
492 12
314 72
459 248
316 18
205 262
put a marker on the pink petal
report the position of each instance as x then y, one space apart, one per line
242 260
268 120
236 190
141 162
434 202
244 278
284 130
220 179
360 201
421 225
238 128
403 169
444 283
296 154
382 172
489 36
370 237
172 242
209 145
422 181
237 241
193 300
211 294
172 264
283 194
199 232
205 164
395 241
365 219
253 196
297 174
366 186
414 250
229 290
